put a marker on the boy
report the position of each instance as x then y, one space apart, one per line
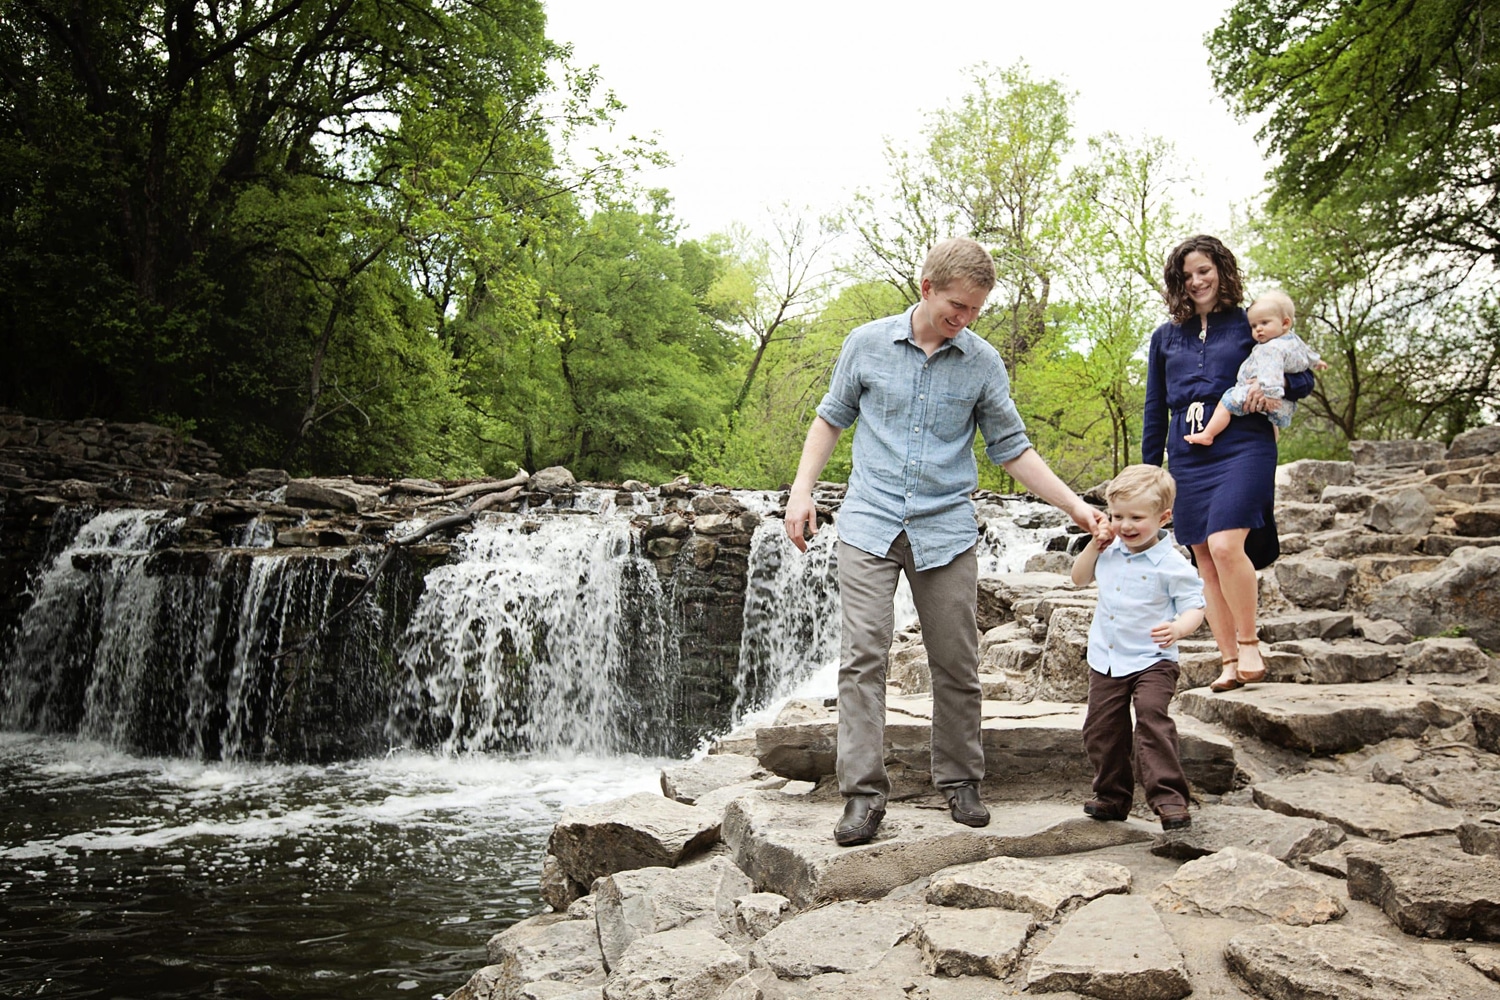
919 385
1277 352
1149 597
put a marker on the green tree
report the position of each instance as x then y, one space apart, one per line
1389 111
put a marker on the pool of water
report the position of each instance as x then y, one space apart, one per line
124 876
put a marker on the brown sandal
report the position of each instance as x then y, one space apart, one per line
1254 677
1219 686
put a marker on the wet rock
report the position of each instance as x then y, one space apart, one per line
631 905
638 831
786 845
1365 809
756 914
1115 948
1461 594
1430 890
549 947
1042 888
1313 582
331 494
1403 512
1243 884
844 937
1288 839
682 964
554 479
1329 961
687 781
983 942
1323 718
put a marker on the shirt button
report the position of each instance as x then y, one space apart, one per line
915 427
906 520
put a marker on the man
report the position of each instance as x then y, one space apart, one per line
919 384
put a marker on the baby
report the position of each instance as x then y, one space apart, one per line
1277 351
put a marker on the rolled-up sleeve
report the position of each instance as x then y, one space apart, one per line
999 420
840 405
1184 586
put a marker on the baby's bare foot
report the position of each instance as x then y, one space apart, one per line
1202 437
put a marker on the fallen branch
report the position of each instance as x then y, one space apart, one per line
494 486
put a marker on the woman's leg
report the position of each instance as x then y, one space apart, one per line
1220 621
1239 589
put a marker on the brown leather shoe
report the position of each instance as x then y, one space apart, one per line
1175 819
1098 810
965 806
860 821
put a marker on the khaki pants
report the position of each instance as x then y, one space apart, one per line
945 598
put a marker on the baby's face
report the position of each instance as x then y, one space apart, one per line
1267 323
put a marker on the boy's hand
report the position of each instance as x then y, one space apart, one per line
1103 536
1165 634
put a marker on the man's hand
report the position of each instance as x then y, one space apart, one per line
1091 519
801 516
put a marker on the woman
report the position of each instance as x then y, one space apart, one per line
1228 488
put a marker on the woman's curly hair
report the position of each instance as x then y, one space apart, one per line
1231 284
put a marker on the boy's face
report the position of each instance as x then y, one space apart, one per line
952 307
1267 323
1135 521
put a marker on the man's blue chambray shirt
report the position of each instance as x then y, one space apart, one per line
1138 591
914 462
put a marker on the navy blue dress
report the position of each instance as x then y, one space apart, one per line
1231 483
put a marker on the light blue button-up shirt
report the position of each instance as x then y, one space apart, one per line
1138 591
914 462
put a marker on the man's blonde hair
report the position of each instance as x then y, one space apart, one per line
959 259
1278 300
1148 482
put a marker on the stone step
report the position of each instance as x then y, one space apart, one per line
1337 718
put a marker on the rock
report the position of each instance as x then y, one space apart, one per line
1404 512
1366 453
1486 961
1481 441
1306 479
1288 839
786 845
553 479
1243 884
1284 963
843 937
1480 521
1057 563
1042 888
998 595
1323 718
1304 518
1064 674
638 831
1365 809
1445 656
331 494
1468 782
687 781
1461 594
683 964
549 947
1305 625
1430 890
972 942
1313 582
1383 631
1116 948
756 914
1479 838
634 904
1320 662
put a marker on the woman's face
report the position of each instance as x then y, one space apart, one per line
1201 281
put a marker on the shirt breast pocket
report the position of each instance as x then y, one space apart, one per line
1141 588
953 416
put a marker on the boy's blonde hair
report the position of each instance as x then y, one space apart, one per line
959 259
1149 482
1278 300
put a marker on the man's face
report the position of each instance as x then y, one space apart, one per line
952 307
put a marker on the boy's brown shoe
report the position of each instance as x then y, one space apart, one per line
1175 819
1098 810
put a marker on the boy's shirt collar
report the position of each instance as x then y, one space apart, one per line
1155 553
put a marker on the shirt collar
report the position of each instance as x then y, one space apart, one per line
902 331
1155 554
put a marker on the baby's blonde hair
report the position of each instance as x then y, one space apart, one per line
1278 300
1149 482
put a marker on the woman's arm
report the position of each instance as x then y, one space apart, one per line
1154 423
1299 385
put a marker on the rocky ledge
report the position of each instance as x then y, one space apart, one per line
1346 820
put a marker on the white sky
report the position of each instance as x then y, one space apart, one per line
783 101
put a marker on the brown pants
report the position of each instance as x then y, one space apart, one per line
1107 737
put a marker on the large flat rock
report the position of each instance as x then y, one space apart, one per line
1023 741
785 844
1363 808
1247 885
1328 961
1286 838
1041 887
1322 718
1430 890
1114 948
638 831
844 937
